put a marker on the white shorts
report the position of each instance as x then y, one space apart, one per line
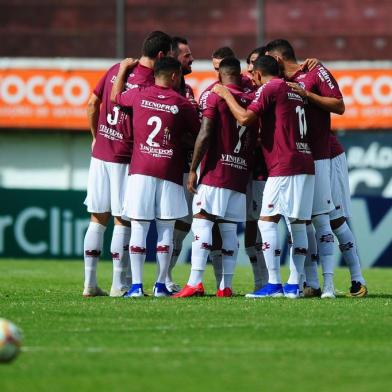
188 198
254 198
322 199
290 196
340 188
223 203
147 198
106 186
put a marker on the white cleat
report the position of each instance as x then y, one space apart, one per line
328 291
173 287
118 292
94 292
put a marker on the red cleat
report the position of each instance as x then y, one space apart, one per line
226 292
190 291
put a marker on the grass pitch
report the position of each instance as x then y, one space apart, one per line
196 344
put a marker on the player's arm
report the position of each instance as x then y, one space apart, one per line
201 147
118 85
93 107
329 104
243 116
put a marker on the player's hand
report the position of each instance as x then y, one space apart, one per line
220 90
309 64
192 181
298 89
128 63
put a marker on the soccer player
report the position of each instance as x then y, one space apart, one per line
181 51
224 172
160 119
111 154
320 90
252 57
289 188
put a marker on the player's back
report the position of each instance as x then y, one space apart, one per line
284 131
229 157
113 139
161 116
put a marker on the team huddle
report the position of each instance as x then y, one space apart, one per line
256 148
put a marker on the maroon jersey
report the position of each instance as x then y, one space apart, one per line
321 82
228 160
336 147
246 86
160 118
113 139
283 129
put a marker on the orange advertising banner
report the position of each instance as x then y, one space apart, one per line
57 98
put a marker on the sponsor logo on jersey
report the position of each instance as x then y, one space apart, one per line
303 148
294 96
156 152
234 162
324 77
110 133
159 106
130 86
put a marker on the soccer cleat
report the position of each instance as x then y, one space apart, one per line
226 292
328 291
291 290
310 292
135 291
94 292
269 290
173 287
160 290
190 291
118 292
357 289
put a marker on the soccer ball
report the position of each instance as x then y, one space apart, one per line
10 340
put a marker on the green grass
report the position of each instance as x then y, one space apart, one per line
197 344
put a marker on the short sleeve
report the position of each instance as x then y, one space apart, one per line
126 98
211 108
261 101
98 91
327 85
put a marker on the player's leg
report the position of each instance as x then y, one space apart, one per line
322 205
93 243
119 249
98 204
139 207
216 254
312 288
342 231
181 229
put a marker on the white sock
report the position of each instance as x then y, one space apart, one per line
137 249
120 255
325 244
260 259
229 253
348 247
216 260
270 235
201 245
93 242
165 230
178 238
299 250
310 267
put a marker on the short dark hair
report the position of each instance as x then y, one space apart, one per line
267 65
231 66
176 41
155 42
223 52
283 47
260 51
166 66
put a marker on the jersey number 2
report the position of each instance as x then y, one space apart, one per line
158 125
